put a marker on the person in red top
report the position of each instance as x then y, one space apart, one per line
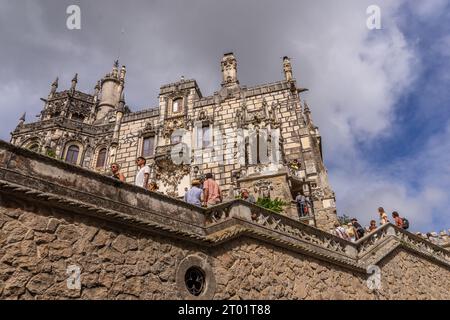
211 191
397 219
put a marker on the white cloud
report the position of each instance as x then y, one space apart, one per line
362 188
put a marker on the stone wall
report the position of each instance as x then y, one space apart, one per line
247 269
37 248
37 245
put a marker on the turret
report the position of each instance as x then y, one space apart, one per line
287 69
74 82
229 70
111 89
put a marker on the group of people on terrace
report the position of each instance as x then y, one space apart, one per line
353 231
204 192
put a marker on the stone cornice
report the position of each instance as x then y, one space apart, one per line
47 182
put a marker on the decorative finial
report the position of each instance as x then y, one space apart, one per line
54 87
55 83
229 70
287 68
22 118
74 82
123 71
116 63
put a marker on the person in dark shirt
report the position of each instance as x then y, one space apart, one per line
359 229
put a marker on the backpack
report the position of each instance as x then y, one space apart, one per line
405 223
360 230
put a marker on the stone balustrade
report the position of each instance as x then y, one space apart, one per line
33 177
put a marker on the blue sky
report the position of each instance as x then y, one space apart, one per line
381 98
415 151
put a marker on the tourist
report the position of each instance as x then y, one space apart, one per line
383 216
351 232
340 231
300 199
194 194
303 204
359 229
397 219
143 174
116 174
211 191
373 225
247 197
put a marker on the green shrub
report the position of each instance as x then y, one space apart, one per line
274 205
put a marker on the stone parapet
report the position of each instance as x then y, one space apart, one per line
32 177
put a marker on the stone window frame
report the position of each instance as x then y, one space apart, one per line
180 99
140 149
202 262
144 137
96 154
31 142
80 151
77 116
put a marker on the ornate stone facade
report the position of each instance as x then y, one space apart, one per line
130 243
245 136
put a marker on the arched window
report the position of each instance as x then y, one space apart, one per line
101 158
148 146
72 154
34 147
77 117
176 105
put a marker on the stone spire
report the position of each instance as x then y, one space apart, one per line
229 70
22 120
307 113
123 71
121 106
96 91
74 82
54 87
287 69
115 70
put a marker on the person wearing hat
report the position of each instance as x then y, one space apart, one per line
194 194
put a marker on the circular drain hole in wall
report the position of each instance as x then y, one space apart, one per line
195 280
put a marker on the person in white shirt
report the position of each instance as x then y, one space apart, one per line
143 174
340 231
